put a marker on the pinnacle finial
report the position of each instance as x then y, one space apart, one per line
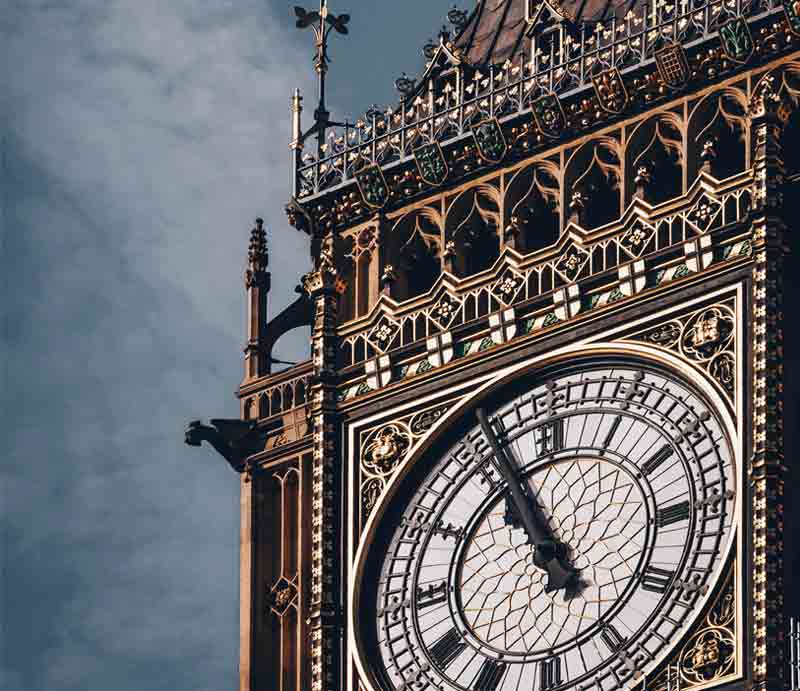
258 251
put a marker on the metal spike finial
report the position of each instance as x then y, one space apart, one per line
321 21
429 49
458 18
404 84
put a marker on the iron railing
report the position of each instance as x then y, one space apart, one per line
554 61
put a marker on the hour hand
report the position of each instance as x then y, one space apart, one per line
549 554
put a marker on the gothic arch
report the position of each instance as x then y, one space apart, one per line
654 159
592 183
472 229
411 251
531 207
718 134
779 90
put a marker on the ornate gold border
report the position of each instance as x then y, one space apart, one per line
590 347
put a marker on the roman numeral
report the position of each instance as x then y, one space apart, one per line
611 638
489 676
552 436
447 530
612 431
394 607
431 595
656 580
673 514
447 648
549 673
657 459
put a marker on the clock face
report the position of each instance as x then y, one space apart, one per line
565 539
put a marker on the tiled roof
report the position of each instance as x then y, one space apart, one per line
495 31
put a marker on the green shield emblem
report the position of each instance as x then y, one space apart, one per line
736 39
490 140
431 164
373 186
549 115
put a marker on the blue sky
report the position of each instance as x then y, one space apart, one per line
139 140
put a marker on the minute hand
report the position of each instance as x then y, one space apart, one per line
549 553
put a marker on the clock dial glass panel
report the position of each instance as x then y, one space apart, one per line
629 473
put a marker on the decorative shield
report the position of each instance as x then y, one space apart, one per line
567 302
379 371
610 91
549 115
792 10
503 325
373 186
736 39
490 140
431 164
440 348
672 65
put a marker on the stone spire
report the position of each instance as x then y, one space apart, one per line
257 281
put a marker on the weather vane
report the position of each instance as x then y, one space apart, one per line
321 22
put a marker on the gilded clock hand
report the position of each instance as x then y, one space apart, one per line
549 553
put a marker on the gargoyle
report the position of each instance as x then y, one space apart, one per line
235 440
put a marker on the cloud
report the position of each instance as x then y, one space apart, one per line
140 141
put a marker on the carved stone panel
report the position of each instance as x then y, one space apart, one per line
709 654
705 337
384 447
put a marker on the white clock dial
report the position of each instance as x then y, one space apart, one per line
567 541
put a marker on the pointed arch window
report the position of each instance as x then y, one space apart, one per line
654 160
531 208
411 262
593 177
718 135
473 223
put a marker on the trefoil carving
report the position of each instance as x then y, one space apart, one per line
385 447
705 337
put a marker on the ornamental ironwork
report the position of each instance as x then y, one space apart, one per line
706 337
373 187
385 447
554 62
792 10
611 91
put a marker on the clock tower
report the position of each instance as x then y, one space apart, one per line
538 443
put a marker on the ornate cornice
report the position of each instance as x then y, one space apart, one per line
528 125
